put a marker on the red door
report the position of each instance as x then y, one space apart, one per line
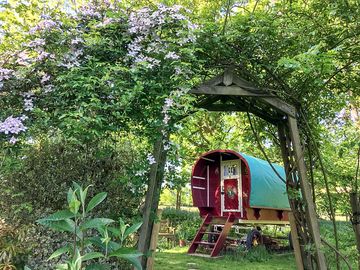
231 194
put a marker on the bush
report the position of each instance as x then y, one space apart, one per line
185 222
33 182
38 176
176 217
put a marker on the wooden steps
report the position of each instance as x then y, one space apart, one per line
216 246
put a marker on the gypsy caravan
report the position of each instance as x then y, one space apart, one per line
234 188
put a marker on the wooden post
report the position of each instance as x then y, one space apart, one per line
300 257
178 198
295 242
154 241
355 207
311 217
152 200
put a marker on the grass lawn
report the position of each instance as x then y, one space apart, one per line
178 259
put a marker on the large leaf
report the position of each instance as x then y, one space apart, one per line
96 241
114 231
125 252
91 255
112 246
60 225
70 195
59 252
59 215
96 223
129 254
132 229
134 261
97 199
66 225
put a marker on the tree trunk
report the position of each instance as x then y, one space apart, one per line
152 201
355 207
178 198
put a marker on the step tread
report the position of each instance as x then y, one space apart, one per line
217 233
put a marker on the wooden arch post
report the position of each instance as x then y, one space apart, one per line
229 92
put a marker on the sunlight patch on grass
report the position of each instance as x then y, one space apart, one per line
178 259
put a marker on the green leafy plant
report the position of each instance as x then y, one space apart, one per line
107 241
12 248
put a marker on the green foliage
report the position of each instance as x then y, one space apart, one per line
186 223
37 178
176 217
347 242
75 219
13 251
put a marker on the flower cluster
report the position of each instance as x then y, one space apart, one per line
167 106
89 10
12 125
5 74
151 159
148 46
71 59
45 25
23 59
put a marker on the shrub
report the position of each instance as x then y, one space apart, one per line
185 222
36 178
13 252
176 217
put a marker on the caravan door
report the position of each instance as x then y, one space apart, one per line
231 186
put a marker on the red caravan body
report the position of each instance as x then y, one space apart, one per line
221 185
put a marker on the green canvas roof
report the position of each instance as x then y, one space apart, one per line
267 189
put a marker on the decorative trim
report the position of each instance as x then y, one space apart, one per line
208 188
199 177
208 159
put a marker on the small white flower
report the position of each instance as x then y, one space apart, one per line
13 140
45 78
151 159
172 55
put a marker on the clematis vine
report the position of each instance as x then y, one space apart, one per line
156 39
152 46
12 125
145 24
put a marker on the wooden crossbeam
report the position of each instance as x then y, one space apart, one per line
229 84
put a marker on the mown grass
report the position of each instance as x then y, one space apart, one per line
177 259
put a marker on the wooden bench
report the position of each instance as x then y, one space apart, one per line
168 232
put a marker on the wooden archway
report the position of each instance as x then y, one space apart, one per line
229 92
